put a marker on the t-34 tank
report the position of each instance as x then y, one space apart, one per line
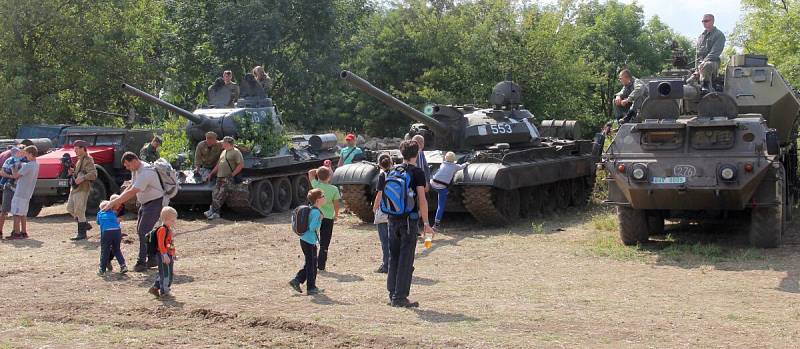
273 181
516 169
721 155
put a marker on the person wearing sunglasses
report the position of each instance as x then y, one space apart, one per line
709 48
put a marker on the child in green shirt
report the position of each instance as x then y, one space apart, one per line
320 179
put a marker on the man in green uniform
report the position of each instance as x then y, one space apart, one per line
709 48
206 155
149 152
82 176
230 164
628 100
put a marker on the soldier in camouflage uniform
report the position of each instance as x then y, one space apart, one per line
230 164
206 155
629 99
149 152
226 94
82 176
709 48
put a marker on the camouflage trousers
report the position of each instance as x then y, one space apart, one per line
222 188
707 70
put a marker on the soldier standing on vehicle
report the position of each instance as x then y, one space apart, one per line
709 48
206 155
229 166
81 178
149 152
628 100
263 79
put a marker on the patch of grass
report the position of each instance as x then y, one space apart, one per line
605 222
26 322
608 245
537 228
6 346
709 253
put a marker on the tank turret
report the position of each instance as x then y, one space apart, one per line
466 127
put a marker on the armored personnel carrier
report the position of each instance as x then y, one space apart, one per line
719 155
516 168
273 181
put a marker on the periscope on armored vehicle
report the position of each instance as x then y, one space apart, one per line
516 168
719 155
275 165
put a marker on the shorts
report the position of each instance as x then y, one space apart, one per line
19 206
8 196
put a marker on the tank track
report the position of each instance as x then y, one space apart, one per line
357 198
478 201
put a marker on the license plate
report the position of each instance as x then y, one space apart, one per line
63 183
669 180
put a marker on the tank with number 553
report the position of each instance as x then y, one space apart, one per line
517 168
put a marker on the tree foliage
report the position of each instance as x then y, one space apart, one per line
59 58
772 27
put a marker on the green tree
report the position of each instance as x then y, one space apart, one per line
772 27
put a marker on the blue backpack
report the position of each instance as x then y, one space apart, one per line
397 199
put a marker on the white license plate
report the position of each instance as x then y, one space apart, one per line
63 183
669 180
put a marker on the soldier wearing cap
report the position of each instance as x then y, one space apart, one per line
149 152
207 153
228 166
81 178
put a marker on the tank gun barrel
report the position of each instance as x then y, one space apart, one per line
392 102
166 105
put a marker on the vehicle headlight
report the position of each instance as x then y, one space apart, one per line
727 173
639 172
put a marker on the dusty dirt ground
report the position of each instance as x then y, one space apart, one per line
561 281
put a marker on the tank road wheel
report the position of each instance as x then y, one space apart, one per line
563 194
283 194
632 225
766 223
655 223
359 201
492 206
97 194
581 191
530 204
547 195
262 197
300 188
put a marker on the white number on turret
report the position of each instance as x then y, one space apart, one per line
501 128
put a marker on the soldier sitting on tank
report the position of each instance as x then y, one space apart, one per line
206 155
709 48
229 165
226 94
149 152
263 79
629 98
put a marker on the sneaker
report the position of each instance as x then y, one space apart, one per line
152 263
101 272
24 235
166 295
154 291
208 213
382 269
314 291
140 267
213 216
14 236
404 303
436 226
123 269
295 285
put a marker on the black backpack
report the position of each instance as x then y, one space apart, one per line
152 239
300 218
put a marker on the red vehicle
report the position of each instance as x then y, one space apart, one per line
106 148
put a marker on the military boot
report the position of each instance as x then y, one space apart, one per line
81 235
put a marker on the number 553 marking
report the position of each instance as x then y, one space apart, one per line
501 128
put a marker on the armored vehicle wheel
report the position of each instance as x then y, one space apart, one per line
547 194
530 202
655 223
358 200
492 206
283 194
766 223
97 194
563 194
34 208
300 188
632 225
262 197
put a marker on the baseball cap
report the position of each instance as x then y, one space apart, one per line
350 137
